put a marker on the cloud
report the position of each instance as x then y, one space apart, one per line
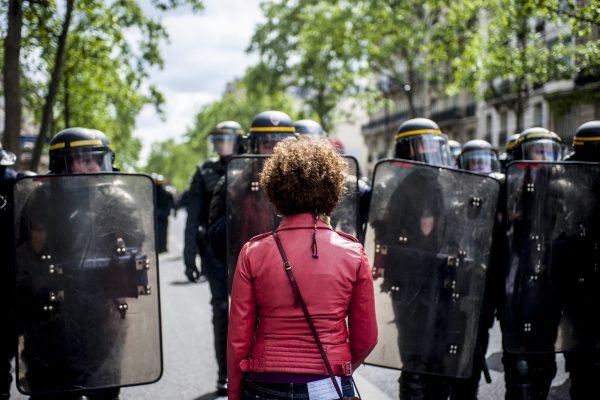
205 51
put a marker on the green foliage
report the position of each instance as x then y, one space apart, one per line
259 90
311 44
175 161
110 48
511 45
247 97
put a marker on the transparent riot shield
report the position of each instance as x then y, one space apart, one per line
249 212
552 278
428 239
87 294
345 217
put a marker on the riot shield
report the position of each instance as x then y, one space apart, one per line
552 276
87 294
249 212
428 239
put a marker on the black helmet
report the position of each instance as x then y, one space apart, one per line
586 143
80 150
267 129
7 158
510 143
538 144
309 129
420 139
479 156
224 140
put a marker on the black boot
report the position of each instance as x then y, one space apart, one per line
220 321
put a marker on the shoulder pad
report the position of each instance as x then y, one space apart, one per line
347 236
262 235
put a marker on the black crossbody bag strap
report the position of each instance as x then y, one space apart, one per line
299 300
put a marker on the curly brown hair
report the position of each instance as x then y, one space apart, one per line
304 176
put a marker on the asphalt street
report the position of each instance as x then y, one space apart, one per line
189 366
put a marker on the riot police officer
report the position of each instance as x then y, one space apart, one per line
267 129
165 202
76 272
481 157
584 366
586 143
430 229
421 139
478 156
7 178
309 129
222 143
529 375
538 144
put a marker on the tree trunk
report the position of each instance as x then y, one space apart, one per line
12 78
47 114
521 81
67 105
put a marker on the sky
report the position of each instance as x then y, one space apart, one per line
205 51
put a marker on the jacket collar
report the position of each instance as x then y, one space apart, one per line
304 220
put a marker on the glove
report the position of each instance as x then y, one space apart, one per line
192 273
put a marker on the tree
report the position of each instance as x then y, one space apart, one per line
173 161
245 98
311 46
399 44
509 56
82 56
12 76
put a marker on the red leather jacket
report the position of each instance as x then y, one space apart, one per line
267 333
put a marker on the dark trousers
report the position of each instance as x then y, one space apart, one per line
528 376
5 375
216 273
584 372
284 391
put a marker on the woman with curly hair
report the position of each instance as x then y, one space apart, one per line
272 350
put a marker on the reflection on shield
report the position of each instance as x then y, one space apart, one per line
249 212
345 217
552 278
87 296
428 240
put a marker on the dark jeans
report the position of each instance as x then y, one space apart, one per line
284 391
216 273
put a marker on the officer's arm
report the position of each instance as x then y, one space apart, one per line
193 218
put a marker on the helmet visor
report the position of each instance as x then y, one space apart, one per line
222 145
264 143
87 162
430 149
481 161
542 150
